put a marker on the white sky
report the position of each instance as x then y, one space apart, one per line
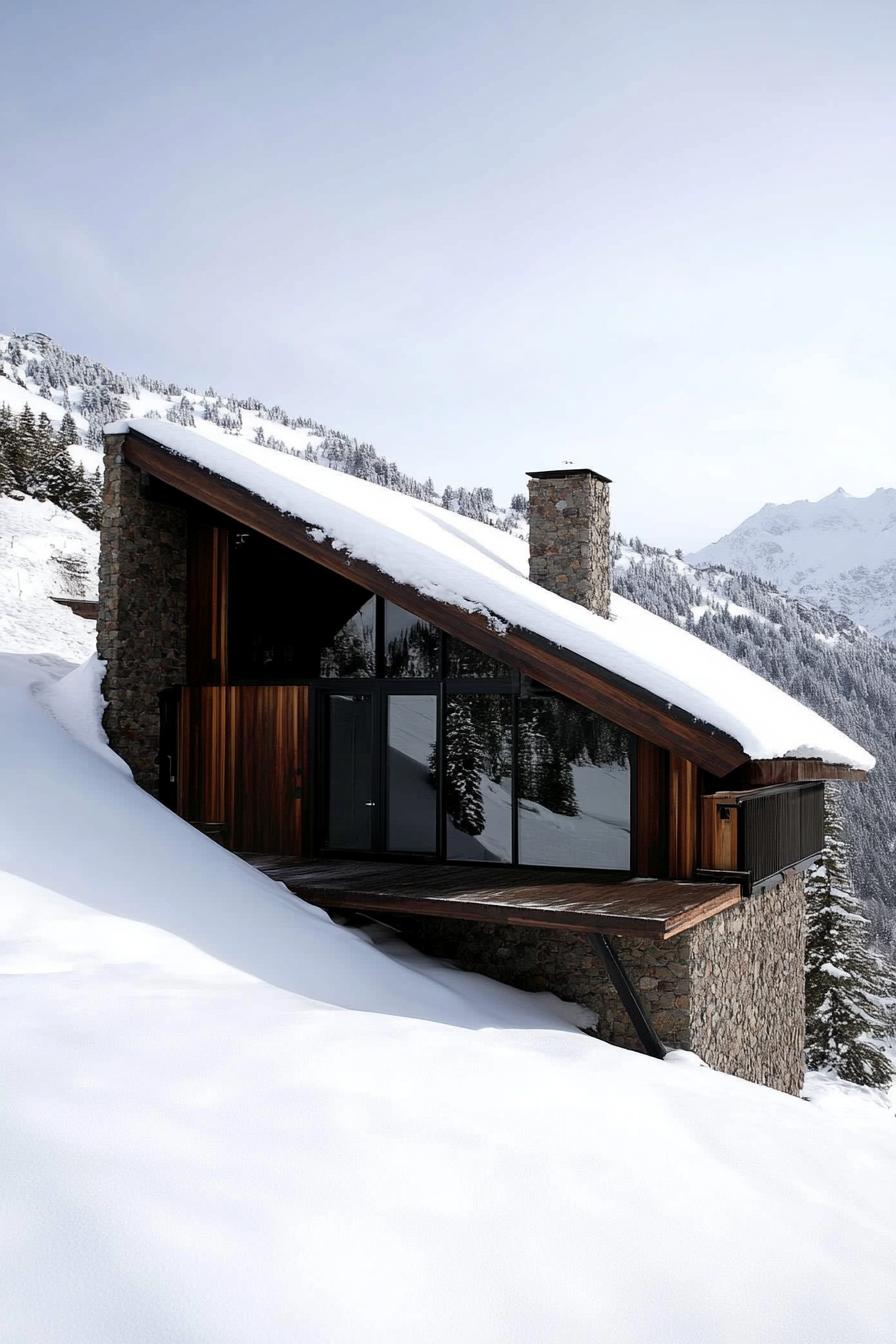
656 236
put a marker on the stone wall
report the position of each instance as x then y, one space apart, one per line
142 619
748 999
731 990
569 536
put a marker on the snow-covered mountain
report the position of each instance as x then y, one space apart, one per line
839 551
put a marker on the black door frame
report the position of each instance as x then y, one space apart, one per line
377 690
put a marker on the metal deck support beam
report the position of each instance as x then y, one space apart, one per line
625 989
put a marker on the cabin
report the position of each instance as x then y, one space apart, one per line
406 715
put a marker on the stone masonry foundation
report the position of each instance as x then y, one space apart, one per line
142 619
731 989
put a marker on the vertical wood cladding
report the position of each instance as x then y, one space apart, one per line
651 847
683 784
207 585
245 762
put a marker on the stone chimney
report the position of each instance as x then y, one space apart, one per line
569 535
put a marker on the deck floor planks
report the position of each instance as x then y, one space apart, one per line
549 898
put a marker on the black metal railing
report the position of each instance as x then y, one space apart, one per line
780 829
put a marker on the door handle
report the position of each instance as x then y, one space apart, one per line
370 804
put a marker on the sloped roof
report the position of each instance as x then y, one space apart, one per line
458 565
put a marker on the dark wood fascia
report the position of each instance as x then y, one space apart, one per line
786 770
630 706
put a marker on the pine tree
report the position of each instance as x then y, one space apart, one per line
181 412
22 450
86 496
848 1006
68 431
43 459
62 478
7 429
463 769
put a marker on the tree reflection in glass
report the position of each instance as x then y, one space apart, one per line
352 651
573 787
412 646
465 661
478 777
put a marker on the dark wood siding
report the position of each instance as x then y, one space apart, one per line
244 763
682 813
207 577
651 839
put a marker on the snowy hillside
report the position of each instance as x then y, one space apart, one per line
840 550
34 371
45 553
226 1118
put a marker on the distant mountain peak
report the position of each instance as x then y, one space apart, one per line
839 550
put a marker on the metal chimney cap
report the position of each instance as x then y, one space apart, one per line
560 472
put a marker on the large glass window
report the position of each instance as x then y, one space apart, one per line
573 787
352 650
479 778
465 661
411 647
412 773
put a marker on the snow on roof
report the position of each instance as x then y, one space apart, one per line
480 568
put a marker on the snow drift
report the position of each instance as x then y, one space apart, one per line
226 1119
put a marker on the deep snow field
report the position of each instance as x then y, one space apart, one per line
224 1119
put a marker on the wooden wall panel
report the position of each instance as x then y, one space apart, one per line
651 846
269 768
683 786
207 578
244 764
718 833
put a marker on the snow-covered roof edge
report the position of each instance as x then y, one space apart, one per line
476 568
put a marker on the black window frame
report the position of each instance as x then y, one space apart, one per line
380 688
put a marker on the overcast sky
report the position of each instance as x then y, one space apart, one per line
659 238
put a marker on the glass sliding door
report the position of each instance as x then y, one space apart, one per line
351 821
412 773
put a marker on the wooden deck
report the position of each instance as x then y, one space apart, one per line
545 898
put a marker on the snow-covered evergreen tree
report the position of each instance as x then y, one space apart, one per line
463 768
7 429
181 412
68 431
849 1004
22 450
